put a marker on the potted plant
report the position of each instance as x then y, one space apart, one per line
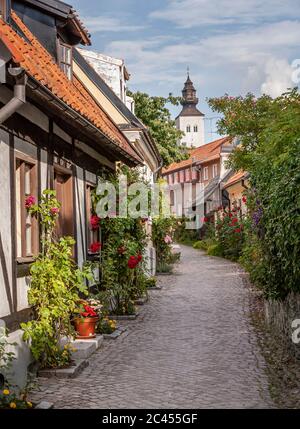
106 326
57 284
85 324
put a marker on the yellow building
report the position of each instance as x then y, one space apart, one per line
236 186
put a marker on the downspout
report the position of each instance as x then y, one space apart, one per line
19 98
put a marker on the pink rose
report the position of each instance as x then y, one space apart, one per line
29 202
168 239
54 211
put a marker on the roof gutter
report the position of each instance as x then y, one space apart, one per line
19 98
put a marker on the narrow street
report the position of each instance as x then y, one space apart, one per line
192 346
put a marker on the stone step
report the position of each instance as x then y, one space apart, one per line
85 348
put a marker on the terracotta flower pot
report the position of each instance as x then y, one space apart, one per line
86 327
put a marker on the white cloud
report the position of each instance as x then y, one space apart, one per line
278 77
99 24
254 58
195 13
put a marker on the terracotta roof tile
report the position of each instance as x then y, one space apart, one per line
40 65
201 154
240 175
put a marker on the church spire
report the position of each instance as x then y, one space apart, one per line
189 98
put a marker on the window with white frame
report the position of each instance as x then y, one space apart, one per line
188 129
195 128
205 173
215 170
65 59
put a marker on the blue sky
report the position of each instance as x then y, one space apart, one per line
230 46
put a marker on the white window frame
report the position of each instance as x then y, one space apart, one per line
205 173
215 170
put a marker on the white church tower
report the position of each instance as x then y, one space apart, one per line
191 120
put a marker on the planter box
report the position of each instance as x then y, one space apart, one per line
118 332
127 317
142 301
155 288
71 372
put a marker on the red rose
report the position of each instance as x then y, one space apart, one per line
132 262
30 201
235 220
96 247
244 199
95 222
238 230
205 219
54 211
139 257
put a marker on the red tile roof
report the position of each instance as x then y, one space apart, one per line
240 175
206 153
39 64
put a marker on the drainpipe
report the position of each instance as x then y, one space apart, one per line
19 98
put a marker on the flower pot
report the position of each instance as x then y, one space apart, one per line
86 327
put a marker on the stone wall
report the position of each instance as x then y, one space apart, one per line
280 316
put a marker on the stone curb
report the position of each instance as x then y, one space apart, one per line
115 334
71 372
129 317
142 301
44 406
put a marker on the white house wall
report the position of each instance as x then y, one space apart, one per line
6 289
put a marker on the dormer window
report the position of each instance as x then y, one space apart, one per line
65 59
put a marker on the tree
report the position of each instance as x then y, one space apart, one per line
269 134
152 111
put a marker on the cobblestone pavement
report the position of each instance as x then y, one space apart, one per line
193 346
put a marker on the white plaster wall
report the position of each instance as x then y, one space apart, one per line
110 69
19 371
44 170
192 139
5 221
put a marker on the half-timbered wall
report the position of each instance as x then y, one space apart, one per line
32 136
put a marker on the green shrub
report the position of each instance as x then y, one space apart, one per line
268 131
164 268
151 282
215 250
202 245
55 289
